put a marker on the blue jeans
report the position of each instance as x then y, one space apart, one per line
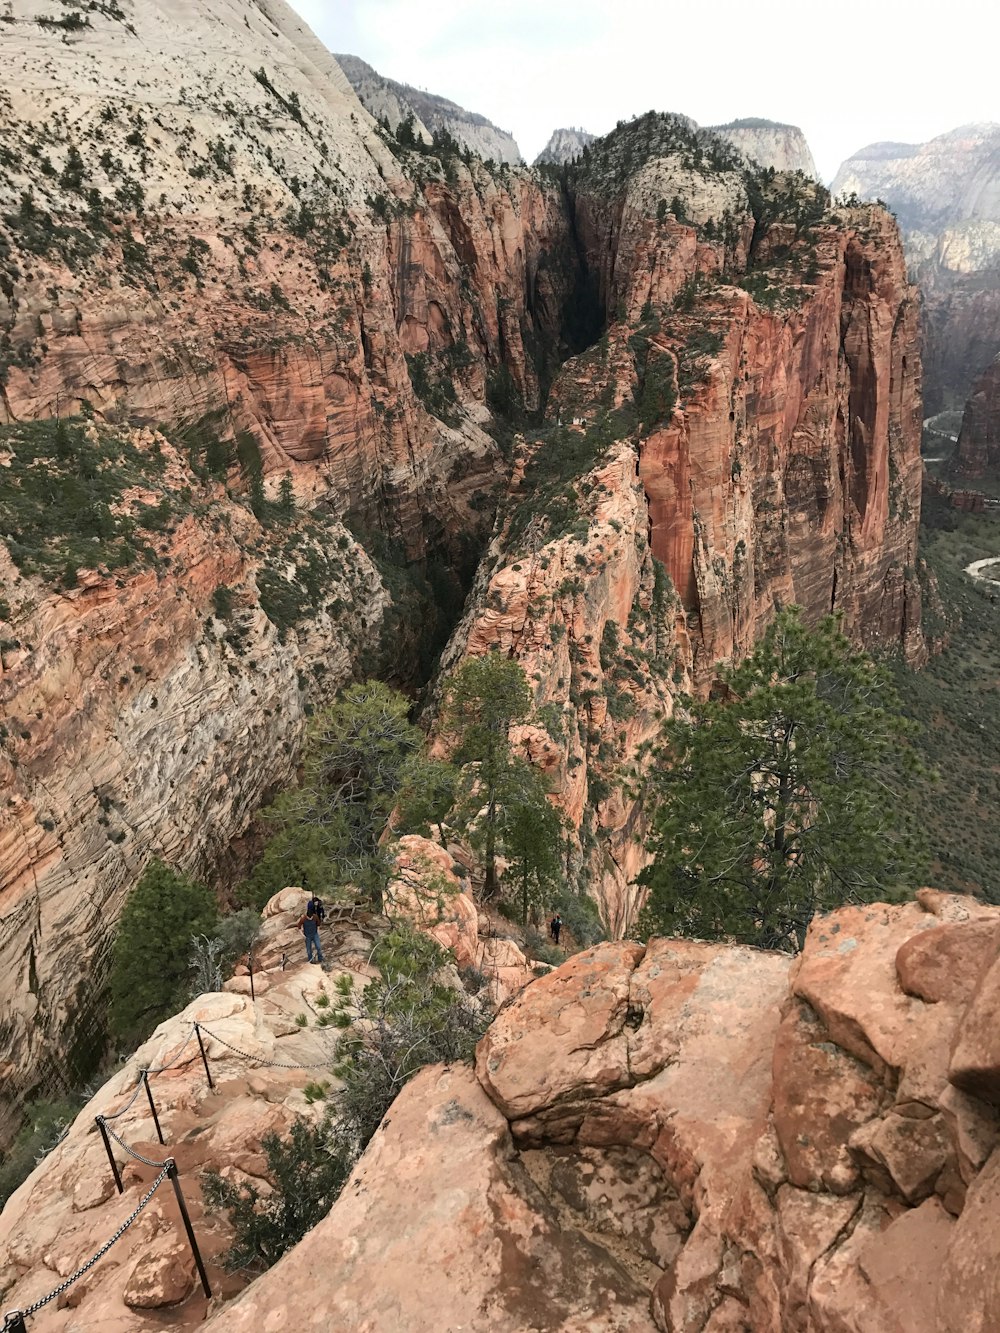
312 938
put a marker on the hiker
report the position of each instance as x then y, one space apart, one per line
309 925
315 908
555 926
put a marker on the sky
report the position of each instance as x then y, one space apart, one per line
848 76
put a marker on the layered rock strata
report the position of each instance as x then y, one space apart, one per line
745 435
225 244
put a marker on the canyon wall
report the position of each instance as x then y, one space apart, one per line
946 194
219 243
979 439
745 435
233 272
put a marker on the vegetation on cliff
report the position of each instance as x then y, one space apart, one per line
956 697
152 952
782 795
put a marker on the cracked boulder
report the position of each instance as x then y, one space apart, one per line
441 1227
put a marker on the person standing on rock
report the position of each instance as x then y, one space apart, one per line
309 925
555 926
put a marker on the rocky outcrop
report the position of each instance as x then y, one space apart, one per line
564 146
763 1146
509 1263
946 194
979 440
395 102
676 1135
263 1056
783 147
427 890
746 434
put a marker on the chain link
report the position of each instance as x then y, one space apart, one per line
177 1058
85 1268
131 1151
128 1105
259 1059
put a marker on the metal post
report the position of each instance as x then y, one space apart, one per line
204 1057
13 1322
171 1166
152 1107
111 1156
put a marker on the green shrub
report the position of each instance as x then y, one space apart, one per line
306 1173
151 956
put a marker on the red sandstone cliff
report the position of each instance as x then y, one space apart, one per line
750 430
221 242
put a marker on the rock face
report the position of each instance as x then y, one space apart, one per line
494 1257
783 147
226 246
230 247
386 99
759 1145
754 444
979 439
426 891
691 1137
564 146
946 194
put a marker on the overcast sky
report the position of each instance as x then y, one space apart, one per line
848 75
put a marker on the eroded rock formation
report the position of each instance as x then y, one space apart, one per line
946 194
770 143
225 245
564 146
758 1144
318 315
745 435
388 100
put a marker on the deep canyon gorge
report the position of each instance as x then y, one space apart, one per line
369 397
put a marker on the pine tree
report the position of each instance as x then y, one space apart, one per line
782 795
485 698
150 966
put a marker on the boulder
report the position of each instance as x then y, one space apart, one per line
441 1227
975 1058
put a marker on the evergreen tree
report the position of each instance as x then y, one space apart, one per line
782 795
532 836
328 828
485 698
427 794
152 949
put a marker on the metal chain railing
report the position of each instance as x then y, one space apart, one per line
128 1105
259 1059
14 1319
177 1058
146 1161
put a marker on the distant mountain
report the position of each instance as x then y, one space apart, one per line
770 143
563 146
946 194
388 100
